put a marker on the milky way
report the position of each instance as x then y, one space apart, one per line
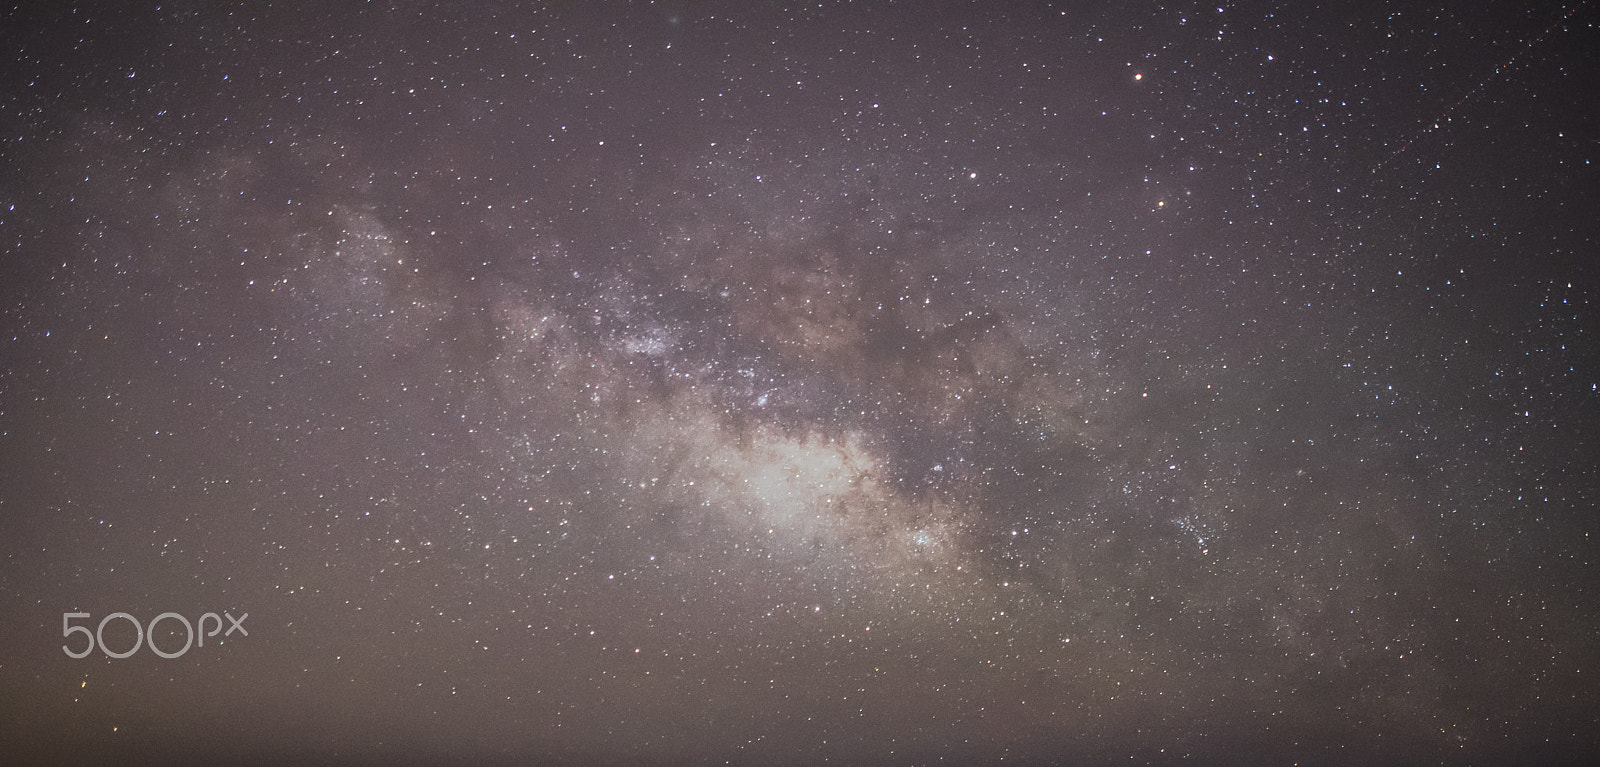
687 383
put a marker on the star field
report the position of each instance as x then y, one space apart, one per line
856 383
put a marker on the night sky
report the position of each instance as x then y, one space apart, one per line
863 383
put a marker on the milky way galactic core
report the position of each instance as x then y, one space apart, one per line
690 383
